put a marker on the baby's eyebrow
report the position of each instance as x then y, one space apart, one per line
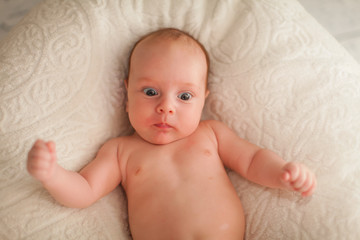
184 85
144 80
190 85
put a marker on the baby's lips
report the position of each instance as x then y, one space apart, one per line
163 125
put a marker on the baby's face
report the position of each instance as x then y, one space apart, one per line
166 89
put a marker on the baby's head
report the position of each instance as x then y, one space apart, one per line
167 85
174 35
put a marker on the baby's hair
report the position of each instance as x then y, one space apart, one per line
173 34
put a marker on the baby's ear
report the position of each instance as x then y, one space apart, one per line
126 103
207 92
126 83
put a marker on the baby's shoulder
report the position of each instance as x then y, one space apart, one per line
124 141
121 147
214 125
218 128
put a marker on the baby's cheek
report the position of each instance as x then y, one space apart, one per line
189 125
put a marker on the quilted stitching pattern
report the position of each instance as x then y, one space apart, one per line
277 78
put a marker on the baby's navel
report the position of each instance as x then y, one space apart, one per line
137 172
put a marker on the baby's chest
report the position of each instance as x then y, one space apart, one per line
174 163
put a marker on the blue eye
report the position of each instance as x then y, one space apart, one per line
186 96
150 92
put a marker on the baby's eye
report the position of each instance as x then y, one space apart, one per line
150 92
186 96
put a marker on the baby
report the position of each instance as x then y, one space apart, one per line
173 167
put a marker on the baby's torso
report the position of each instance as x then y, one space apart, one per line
179 190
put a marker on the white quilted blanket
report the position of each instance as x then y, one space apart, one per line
277 78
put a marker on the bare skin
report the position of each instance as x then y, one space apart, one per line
172 167
167 184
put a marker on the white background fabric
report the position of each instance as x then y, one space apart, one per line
277 78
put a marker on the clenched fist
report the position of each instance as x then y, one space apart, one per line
299 178
41 163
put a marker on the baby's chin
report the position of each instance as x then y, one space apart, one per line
161 140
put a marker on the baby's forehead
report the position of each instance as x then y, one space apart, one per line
181 41
160 37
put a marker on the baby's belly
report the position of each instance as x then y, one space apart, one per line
198 207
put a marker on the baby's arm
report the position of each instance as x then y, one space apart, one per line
269 169
260 165
74 189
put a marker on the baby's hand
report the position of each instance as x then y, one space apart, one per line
41 161
299 178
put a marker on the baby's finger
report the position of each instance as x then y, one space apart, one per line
308 182
285 180
299 182
38 153
293 171
285 177
39 144
39 162
311 190
52 148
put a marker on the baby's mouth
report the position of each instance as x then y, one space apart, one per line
163 125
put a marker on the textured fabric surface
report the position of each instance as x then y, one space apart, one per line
277 78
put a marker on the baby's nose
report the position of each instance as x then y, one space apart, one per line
164 110
165 107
